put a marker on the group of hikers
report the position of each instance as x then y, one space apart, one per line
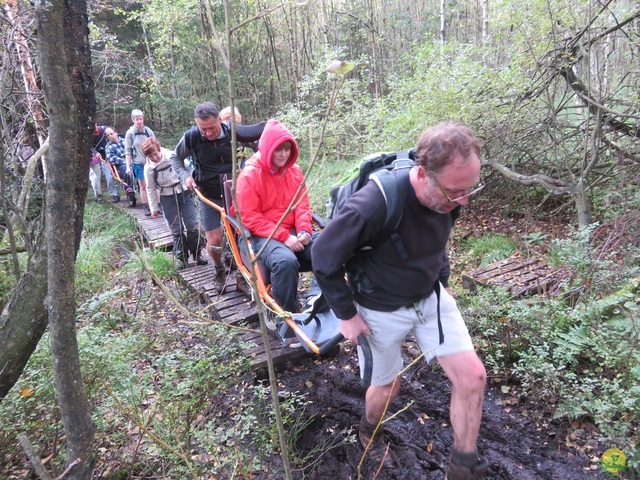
383 292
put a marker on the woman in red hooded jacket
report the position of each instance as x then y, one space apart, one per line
268 184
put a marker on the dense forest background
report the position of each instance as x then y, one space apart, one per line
553 88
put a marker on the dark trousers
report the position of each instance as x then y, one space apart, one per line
181 215
126 177
284 265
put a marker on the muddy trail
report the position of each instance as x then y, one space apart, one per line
516 446
420 435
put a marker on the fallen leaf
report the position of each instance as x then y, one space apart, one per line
27 392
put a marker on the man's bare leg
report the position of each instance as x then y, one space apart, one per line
143 191
376 400
214 239
468 377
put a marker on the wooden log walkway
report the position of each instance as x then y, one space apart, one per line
520 276
232 306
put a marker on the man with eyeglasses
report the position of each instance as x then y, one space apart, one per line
209 146
394 291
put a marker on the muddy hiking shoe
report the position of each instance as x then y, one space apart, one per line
200 260
221 278
467 466
379 452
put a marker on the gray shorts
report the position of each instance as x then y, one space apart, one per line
389 330
209 216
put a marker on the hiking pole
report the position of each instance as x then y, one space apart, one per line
183 237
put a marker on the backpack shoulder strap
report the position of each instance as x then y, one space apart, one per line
394 188
156 171
133 139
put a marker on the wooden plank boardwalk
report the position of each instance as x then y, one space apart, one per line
232 306
520 276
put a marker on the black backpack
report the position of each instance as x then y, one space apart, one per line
394 188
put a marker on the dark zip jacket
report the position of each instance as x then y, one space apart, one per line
211 158
379 278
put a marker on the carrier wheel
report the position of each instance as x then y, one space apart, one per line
131 196
270 321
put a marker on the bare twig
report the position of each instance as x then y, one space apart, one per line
67 470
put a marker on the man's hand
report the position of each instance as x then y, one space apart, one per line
353 327
294 244
189 183
304 238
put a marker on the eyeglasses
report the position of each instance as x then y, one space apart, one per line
453 200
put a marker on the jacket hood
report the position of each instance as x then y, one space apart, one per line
274 135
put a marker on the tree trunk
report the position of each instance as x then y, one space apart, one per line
24 319
583 208
375 61
152 64
31 107
65 61
273 51
485 22
294 53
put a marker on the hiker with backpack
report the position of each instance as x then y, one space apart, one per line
164 188
399 285
209 146
133 140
